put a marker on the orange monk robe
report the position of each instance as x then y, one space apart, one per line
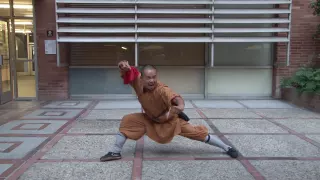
154 104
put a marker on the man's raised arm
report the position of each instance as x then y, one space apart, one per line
130 75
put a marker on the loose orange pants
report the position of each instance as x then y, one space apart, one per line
134 126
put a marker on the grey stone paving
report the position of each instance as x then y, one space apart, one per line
302 125
217 104
273 146
255 104
110 114
86 147
314 137
229 113
288 170
246 126
181 147
79 171
286 113
192 170
121 104
96 127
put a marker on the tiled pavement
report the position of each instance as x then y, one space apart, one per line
64 140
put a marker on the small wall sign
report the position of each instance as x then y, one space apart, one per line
49 33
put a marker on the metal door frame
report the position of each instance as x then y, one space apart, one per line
7 96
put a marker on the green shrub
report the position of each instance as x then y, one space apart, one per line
304 80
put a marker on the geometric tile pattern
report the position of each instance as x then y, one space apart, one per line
262 130
32 126
68 104
26 145
4 167
53 114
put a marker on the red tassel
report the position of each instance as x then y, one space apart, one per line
130 75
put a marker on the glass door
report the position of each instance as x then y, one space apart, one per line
5 76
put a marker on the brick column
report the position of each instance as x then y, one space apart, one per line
53 81
304 48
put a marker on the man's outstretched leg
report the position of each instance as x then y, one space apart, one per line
115 151
132 126
215 141
200 133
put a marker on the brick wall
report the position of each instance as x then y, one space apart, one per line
303 47
52 80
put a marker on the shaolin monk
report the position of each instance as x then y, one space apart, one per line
160 120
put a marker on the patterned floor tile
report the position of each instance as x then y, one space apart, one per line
68 104
53 114
4 167
32 126
18 147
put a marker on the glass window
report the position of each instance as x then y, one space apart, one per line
172 54
243 54
4 8
101 54
23 8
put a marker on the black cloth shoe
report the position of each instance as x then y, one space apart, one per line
232 152
110 156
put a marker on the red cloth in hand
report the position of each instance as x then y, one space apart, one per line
130 75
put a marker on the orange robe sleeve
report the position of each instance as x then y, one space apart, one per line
132 77
168 95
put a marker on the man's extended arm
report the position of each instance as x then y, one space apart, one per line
130 75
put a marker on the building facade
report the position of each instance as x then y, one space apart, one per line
202 49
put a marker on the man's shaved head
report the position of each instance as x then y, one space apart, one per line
149 77
146 68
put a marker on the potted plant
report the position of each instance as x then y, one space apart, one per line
303 88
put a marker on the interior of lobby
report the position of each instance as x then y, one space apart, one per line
18 50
